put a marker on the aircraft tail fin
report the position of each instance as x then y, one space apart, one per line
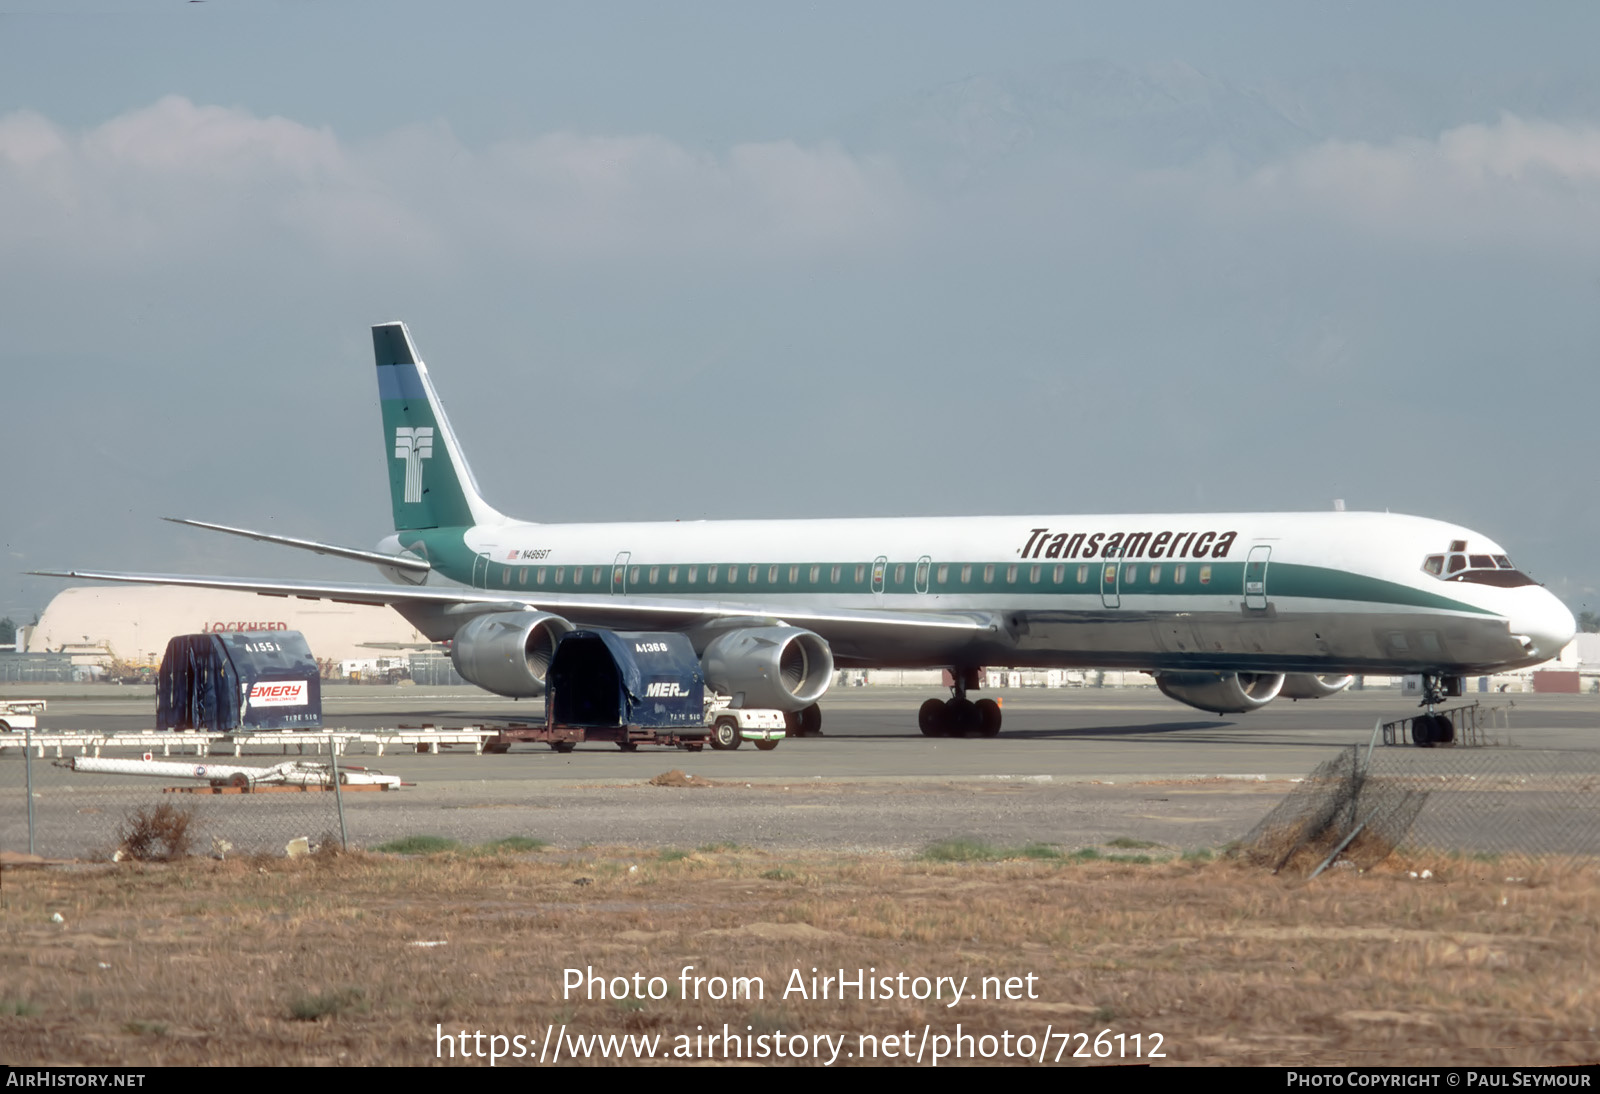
430 484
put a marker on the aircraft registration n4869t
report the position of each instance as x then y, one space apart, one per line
1227 610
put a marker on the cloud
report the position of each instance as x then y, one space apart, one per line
174 180
1525 183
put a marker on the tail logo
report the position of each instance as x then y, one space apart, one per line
413 445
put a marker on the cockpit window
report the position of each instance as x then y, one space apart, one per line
1476 569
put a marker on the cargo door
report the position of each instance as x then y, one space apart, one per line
480 571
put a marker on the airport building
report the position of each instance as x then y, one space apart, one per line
127 626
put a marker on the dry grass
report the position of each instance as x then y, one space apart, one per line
316 960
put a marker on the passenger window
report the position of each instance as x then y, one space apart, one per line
1083 575
672 575
755 572
561 574
505 575
772 575
538 578
595 577
1179 572
833 576
522 576
1205 575
633 576
1033 574
966 575
944 574
861 574
694 574
1111 574
988 574
1155 575
1060 574
794 575
577 575
816 574
655 573
900 574
711 575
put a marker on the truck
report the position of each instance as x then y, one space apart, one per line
20 714
732 726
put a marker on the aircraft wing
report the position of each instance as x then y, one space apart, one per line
421 604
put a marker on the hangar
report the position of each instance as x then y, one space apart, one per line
131 624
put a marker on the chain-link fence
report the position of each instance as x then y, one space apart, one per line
50 809
1360 805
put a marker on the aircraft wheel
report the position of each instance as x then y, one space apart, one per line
1422 731
962 716
811 721
930 718
988 717
725 735
628 746
1444 730
766 746
563 746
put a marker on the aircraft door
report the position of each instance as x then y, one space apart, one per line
880 567
924 564
1111 582
1255 578
619 572
480 571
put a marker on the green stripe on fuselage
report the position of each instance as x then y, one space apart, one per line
1285 580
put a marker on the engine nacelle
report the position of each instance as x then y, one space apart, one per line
1306 685
508 653
783 668
1221 692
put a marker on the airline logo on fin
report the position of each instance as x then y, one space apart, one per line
413 444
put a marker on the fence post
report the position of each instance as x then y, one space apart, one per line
27 765
338 795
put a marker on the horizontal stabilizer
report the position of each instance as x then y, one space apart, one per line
407 563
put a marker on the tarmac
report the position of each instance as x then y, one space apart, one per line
1072 767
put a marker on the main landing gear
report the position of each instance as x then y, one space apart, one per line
1431 728
804 723
959 716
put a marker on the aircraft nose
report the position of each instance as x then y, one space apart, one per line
1545 623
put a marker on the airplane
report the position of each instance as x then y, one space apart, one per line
1228 611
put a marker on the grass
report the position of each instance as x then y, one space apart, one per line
512 844
971 850
419 845
315 960
305 1007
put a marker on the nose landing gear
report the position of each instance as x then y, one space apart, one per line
1431 728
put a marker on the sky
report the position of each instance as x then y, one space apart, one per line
734 260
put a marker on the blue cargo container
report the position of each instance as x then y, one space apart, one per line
239 680
609 679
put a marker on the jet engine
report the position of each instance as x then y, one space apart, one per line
1306 685
1221 692
783 668
508 653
